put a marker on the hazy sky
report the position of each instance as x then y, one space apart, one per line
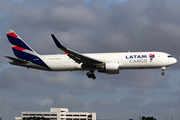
92 26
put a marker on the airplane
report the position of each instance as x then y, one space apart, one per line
109 63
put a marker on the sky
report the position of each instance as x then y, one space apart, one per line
88 26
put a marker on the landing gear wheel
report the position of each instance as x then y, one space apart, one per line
91 75
163 69
162 73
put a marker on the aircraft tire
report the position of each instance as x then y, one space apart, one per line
89 75
93 76
162 73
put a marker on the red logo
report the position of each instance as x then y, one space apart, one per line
151 57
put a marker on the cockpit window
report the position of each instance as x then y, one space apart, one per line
170 56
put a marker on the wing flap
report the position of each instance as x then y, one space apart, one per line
77 57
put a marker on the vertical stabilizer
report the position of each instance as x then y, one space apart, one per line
20 48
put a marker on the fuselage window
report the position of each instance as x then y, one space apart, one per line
169 56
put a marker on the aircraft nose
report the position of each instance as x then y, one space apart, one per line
174 60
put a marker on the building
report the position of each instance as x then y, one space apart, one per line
58 114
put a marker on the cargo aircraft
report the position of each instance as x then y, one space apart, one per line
109 63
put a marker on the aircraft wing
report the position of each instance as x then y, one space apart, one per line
77 57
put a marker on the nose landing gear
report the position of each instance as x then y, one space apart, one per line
90 74
162 73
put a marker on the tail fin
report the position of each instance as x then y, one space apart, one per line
20 48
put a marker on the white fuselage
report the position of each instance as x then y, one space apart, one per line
126 60
109 63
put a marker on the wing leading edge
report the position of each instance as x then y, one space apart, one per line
77 57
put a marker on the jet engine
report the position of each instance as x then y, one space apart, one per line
110 68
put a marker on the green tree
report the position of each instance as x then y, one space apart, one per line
148 118
143 118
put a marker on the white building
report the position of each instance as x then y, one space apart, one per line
59 114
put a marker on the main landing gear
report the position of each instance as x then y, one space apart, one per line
90 74
162 73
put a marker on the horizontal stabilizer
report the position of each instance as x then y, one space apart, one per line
16 59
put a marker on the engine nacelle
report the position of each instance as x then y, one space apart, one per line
111 68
